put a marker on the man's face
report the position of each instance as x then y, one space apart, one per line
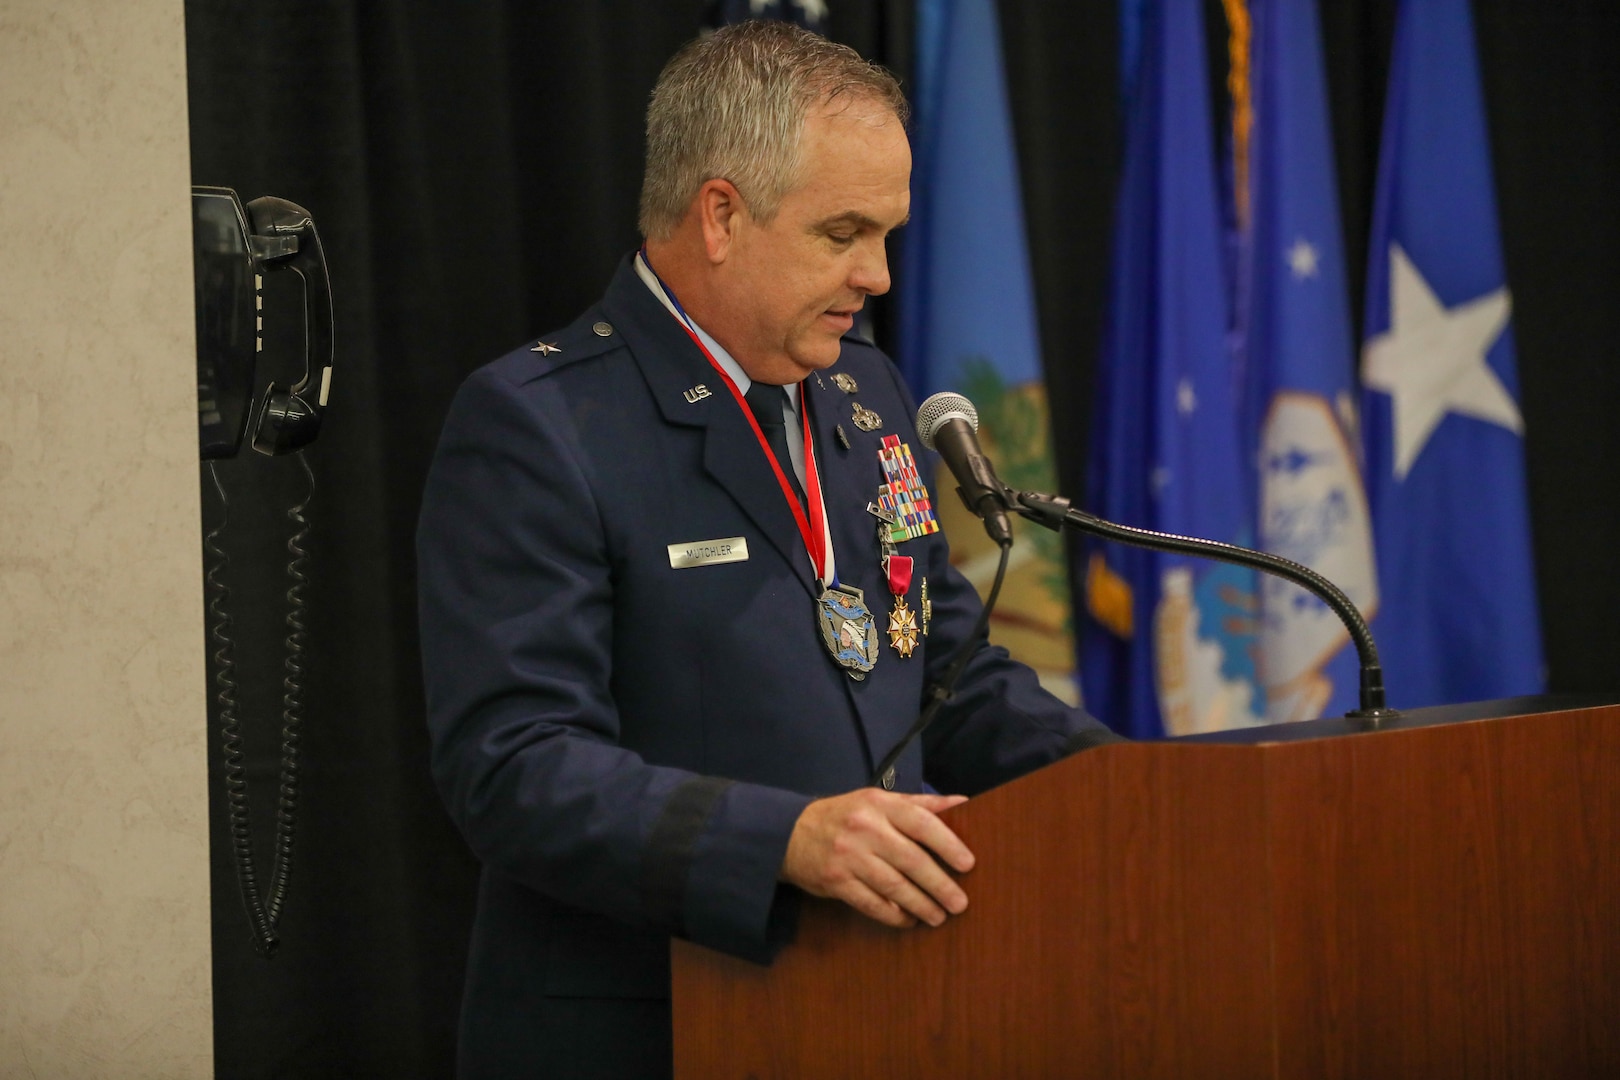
792 287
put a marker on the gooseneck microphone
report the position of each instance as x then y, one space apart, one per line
949 424
1054 512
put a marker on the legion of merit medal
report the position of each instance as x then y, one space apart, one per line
848 629
902 627
902 620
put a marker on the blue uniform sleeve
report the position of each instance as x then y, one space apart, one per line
516 607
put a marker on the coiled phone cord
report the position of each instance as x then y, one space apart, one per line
263 914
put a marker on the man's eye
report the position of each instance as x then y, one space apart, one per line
841 238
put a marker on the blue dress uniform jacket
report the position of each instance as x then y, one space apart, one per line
626 745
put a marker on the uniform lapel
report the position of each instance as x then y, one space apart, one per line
850 481
690 393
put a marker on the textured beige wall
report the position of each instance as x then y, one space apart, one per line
104 933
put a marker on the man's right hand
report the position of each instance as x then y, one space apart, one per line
871 849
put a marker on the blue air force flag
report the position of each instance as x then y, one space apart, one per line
1168 646
1298 371
1445 454
810 14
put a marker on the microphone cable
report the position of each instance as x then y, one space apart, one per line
945 688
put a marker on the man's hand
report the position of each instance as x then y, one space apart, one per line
871 849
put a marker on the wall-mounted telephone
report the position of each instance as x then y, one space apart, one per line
234 247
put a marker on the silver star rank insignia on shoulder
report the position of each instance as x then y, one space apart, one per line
545 348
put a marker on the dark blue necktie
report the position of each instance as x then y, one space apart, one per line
767 402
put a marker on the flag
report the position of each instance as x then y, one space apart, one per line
1168 642
810 14
1443 430
967 315
1296 362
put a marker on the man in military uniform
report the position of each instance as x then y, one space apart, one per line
666 641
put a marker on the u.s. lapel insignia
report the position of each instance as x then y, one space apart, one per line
848 629
845 382
864 418
696 394
902 627
927 606
546 348
903 493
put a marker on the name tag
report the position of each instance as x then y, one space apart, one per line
708 552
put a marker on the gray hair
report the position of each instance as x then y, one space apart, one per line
732 106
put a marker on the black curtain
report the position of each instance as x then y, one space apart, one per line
473 169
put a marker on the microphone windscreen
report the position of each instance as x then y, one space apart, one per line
940 408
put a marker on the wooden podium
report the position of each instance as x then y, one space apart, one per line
1441 898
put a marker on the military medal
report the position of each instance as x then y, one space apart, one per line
897 569
848 629
903 494
902 620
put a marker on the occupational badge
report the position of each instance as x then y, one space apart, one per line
844 382
864 418
848 629
903 493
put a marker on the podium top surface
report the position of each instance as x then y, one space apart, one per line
1336 726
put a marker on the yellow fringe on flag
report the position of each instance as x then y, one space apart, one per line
1109 598
1237 83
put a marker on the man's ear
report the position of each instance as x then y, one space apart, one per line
721 211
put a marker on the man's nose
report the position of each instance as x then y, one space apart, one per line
870 274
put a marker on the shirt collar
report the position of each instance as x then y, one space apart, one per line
727 363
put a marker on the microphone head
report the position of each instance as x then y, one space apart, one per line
942 407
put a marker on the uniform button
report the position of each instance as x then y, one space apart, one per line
602 329
888 779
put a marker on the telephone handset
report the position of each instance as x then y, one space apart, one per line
234 246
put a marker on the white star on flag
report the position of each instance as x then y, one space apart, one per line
1432 360
1302 259
1186 398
